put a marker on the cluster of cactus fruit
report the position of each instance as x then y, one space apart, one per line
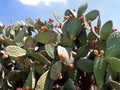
74 54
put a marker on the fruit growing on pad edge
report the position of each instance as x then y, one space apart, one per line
95 52
44 28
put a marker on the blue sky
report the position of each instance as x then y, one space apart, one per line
21 9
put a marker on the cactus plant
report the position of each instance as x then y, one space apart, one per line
15 51
99 70
74 55
41 82
55 70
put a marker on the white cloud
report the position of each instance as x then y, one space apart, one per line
30 2
36 2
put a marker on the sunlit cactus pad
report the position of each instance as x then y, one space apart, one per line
15 51
41 82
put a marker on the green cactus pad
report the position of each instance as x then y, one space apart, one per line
85 65
91 36
46 37
69 85
15 51
99 23
82 9
19 37
50 50
30 81
18 24
39 57
106 30
73 27
55 70
82 51
113 45
101 45
99 70
41 81
82 37
92 15
29 21
39 68
108 76
29 44
70 12
15 75
114 64
8 42
66 41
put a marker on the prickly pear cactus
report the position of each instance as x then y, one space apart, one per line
15 51
106 30
82 9
65 55
99 70
50 50
114 63
63 51
85 65
69 84
41 81
46 37
55 70
73 28
92 15
113 41
74 54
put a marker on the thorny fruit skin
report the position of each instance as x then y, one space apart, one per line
60 76
62 57
102 52
71 16
95 52
4 56
38 30
89 22
114 29
72 66
81 18
19 88
27 88
94 41
36 22
96 28
44 28
51 20
2 40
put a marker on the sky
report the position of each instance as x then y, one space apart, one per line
21 9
